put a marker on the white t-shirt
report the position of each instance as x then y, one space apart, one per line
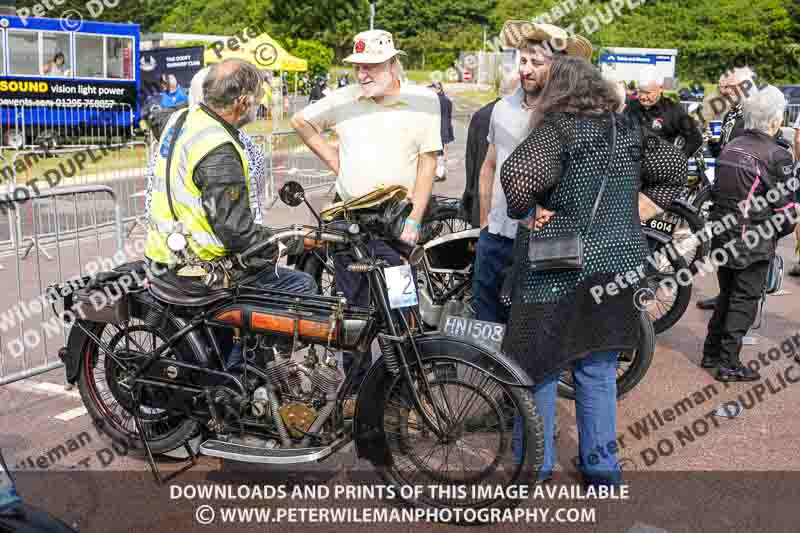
379 144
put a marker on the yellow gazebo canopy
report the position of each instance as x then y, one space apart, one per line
262 51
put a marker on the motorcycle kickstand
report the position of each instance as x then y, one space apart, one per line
160 480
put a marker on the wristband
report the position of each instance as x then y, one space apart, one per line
413 223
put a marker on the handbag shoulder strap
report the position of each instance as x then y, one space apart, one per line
612 147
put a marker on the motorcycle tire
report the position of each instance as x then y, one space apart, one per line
683 295
702 201
442 220
403 425
632 375
111 424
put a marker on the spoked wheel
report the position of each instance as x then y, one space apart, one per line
441 224
485 434
110 405
321 268
668 292
631 366
702 201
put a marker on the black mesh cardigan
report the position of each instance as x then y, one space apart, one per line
555 319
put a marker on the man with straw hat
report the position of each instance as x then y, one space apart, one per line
536 44
389 134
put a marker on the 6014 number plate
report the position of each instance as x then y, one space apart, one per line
661 226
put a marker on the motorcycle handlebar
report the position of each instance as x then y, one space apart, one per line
294 233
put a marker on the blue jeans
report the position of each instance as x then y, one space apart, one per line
595 379
492 257
355 287
285 279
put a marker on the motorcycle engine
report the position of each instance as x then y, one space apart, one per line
302 389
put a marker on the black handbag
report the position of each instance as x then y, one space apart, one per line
564 253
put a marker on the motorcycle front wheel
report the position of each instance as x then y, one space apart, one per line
487 435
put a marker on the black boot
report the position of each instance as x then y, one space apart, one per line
736 372
708 303
711 361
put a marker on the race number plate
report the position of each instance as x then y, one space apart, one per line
660 226
486 333
401 287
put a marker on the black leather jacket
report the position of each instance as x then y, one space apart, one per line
223 185
749 167
669 121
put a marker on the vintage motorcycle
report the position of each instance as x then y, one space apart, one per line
432 410
444 267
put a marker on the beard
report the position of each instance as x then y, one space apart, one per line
248 118
378 87
532 88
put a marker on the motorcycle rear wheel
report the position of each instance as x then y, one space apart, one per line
111 408
629 373
477 411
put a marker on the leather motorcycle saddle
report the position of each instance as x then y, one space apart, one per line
366 201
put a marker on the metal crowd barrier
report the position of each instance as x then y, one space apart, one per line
30 333
291 160
790 116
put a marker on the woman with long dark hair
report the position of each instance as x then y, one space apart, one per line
575 318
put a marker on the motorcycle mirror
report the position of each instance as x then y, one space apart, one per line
292 194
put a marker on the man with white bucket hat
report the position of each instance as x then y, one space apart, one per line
389 134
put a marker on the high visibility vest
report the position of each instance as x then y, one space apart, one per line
200 134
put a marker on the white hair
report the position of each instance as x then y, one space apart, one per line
763 108
613 78
650 75
740 74
196 87
399 70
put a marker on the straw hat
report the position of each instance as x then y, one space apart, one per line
373 46
516 34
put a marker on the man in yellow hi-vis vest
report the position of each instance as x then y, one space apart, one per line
209 179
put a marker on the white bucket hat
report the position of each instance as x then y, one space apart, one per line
373 46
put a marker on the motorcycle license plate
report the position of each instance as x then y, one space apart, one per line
401 287
660 226
487 333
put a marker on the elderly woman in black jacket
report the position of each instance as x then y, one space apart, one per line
751 188
562 319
